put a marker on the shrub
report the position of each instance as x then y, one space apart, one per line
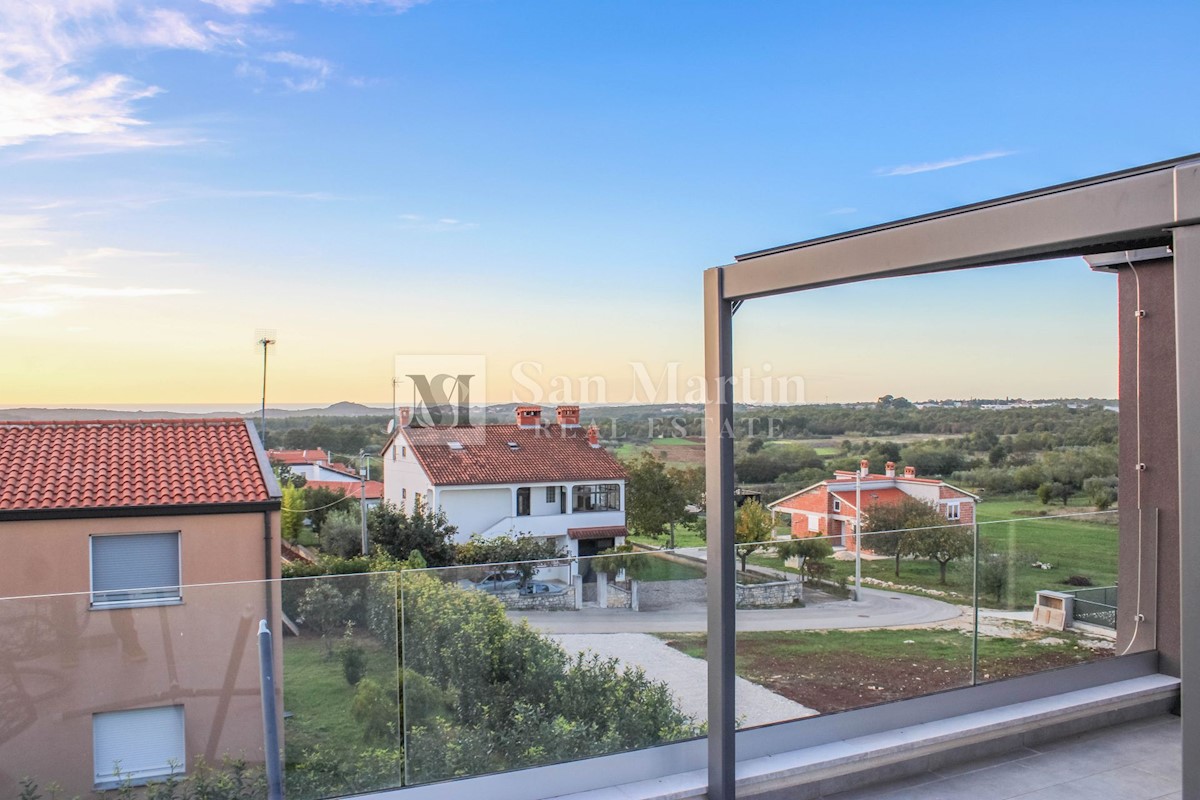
354 658
375 711
1078 580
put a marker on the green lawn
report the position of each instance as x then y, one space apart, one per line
658 568
1071 546
685 536
317 695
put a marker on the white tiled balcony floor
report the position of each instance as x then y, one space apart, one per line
1139 760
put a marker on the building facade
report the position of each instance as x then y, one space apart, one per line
830 508
155 538
549 480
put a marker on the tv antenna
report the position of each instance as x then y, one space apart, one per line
266 340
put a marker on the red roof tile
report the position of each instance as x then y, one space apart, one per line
348 488
544 454
123 463
294 457
599 532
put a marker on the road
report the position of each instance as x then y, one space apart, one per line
877 609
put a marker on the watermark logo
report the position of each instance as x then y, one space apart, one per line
443 390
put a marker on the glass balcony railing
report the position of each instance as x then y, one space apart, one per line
425 675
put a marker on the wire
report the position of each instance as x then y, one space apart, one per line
1137 391
319 508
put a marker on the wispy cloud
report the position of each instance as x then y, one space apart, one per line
303 73
43 274
420 222
933 166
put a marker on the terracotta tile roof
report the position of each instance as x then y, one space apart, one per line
128 463
293 457
599 532
543 454
349 488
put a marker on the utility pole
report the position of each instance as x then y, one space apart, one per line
362 500
265 341
858 534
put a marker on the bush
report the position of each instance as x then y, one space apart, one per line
354 658
375 711
341 535
1078 580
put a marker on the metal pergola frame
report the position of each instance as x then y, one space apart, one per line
1153 206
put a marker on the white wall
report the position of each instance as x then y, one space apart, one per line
474 509
403 475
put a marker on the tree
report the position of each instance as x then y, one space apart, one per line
654 501
291 516
943 544
887 524
342 534
752 528
996 572
526 553
425 531
1055 490
326 609
285 476
324 501
496 695
806 551
1102 491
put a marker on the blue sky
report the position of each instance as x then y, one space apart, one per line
545 181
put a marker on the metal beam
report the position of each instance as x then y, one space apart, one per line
1124 211
1187 359
718 459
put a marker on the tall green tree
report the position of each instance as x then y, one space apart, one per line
752 529
525 552
292 511
425 530
654 501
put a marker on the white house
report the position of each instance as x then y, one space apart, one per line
313 465
547 480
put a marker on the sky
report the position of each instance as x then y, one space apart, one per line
542 184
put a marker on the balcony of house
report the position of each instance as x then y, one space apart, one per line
556 509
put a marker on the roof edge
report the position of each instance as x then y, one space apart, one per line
105 512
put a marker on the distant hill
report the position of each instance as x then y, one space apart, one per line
342 409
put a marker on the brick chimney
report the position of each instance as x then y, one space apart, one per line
890 469
864 468
567 416
405 415
529 416
910 472
593 436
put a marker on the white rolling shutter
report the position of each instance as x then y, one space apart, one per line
137 745
135 568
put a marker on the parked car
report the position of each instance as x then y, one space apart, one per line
499 581
538 587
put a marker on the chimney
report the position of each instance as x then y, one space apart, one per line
890 469
568 416
864 468
910 472
529 416
405 415
593 436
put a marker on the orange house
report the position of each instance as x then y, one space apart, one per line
132 582
829 508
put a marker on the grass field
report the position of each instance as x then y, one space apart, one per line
317 695
1071 546
685 536
662 569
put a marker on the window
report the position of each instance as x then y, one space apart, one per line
404 452
523 501
137 745
393 452
135 569
551 494
597 497
837 505
953 511
814 524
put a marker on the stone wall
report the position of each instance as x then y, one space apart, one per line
513 601
768 595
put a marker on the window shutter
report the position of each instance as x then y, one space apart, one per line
142 743
135 567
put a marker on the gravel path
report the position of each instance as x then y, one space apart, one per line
686 677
